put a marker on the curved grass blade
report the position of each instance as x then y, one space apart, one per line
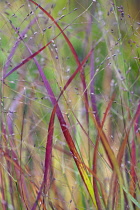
75 73
13 50
68 137
48 155
64 128
124 143
121 153
26 60
110 154
92 90
66 38
15 163
133 176
96 152
82 75
131 197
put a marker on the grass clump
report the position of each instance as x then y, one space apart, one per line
70 108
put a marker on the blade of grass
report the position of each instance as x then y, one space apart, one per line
131 198
110 154
75 73
62 31
16 44
32 55
92 90
26 60
19 172
3 197
124 143
132 185
48 155
121 154
16 165
95 157
133 175
63 123
72 50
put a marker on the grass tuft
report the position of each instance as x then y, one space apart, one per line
70 107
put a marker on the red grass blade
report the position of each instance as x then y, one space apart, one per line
48 156
30 57
73 52
121 154
27 60
79 68
95 157
63 124
124 143
109 152
133 176
13 50
66 132
66 38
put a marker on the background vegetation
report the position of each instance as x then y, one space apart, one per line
70 109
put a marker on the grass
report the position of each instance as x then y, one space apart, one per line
70 108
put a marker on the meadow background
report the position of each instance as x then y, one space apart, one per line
70 106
